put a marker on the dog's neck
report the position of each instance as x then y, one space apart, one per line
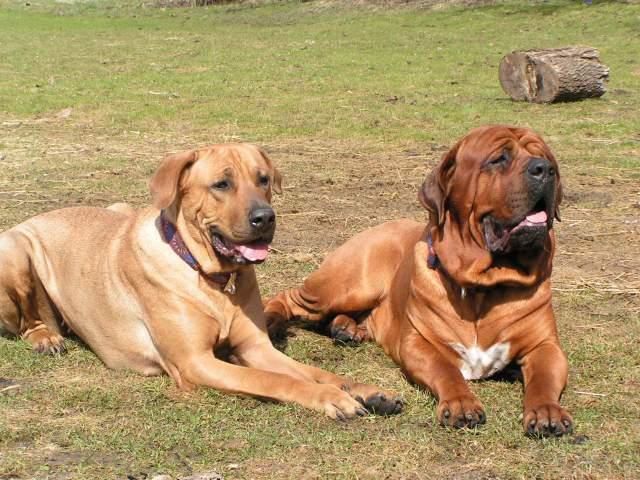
175 240
473 299
472 267
434 264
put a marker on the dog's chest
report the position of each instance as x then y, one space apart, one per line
476 363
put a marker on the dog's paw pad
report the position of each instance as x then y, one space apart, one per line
383 404
342 336
549 420
463 412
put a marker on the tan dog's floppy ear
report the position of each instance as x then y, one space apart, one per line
277 181
434 190
164 183
276 176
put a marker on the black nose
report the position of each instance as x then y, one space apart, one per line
540 169
262 218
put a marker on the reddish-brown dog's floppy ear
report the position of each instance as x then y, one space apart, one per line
434 190
164 183
277 180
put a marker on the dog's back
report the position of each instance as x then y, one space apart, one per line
51 266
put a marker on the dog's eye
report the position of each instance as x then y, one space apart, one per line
503 159
264 180
221 185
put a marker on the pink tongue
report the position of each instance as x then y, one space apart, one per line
538 217
254 252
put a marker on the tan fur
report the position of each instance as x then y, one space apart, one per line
122 207
380 287
109 276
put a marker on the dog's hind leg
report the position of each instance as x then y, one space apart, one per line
25 307
43 328
346 330
353 280
318 300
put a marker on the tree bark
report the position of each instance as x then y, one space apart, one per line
553 75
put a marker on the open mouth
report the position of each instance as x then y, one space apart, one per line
502 237
251 252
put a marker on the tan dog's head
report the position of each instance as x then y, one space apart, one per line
223 192
500 187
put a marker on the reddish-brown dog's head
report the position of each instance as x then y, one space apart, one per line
223 192
493 198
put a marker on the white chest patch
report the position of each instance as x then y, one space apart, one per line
476 363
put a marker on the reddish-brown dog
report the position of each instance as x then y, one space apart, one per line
468 294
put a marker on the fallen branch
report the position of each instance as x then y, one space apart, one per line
10 387
591 394
300 213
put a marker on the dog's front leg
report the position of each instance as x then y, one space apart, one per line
545 376
252 348
206 370
262 355
458 407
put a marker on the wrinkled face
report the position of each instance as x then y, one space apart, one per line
224 192
504 181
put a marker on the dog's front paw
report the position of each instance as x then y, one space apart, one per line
547 420
374 399
464 411
338 404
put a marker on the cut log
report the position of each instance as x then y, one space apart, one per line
553 75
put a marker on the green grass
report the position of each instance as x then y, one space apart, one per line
281 72
312 81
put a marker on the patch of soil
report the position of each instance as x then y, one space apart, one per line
57 459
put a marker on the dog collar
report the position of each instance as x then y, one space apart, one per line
434 263
432 259
173 238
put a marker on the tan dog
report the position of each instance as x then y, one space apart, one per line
468 294
159 289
